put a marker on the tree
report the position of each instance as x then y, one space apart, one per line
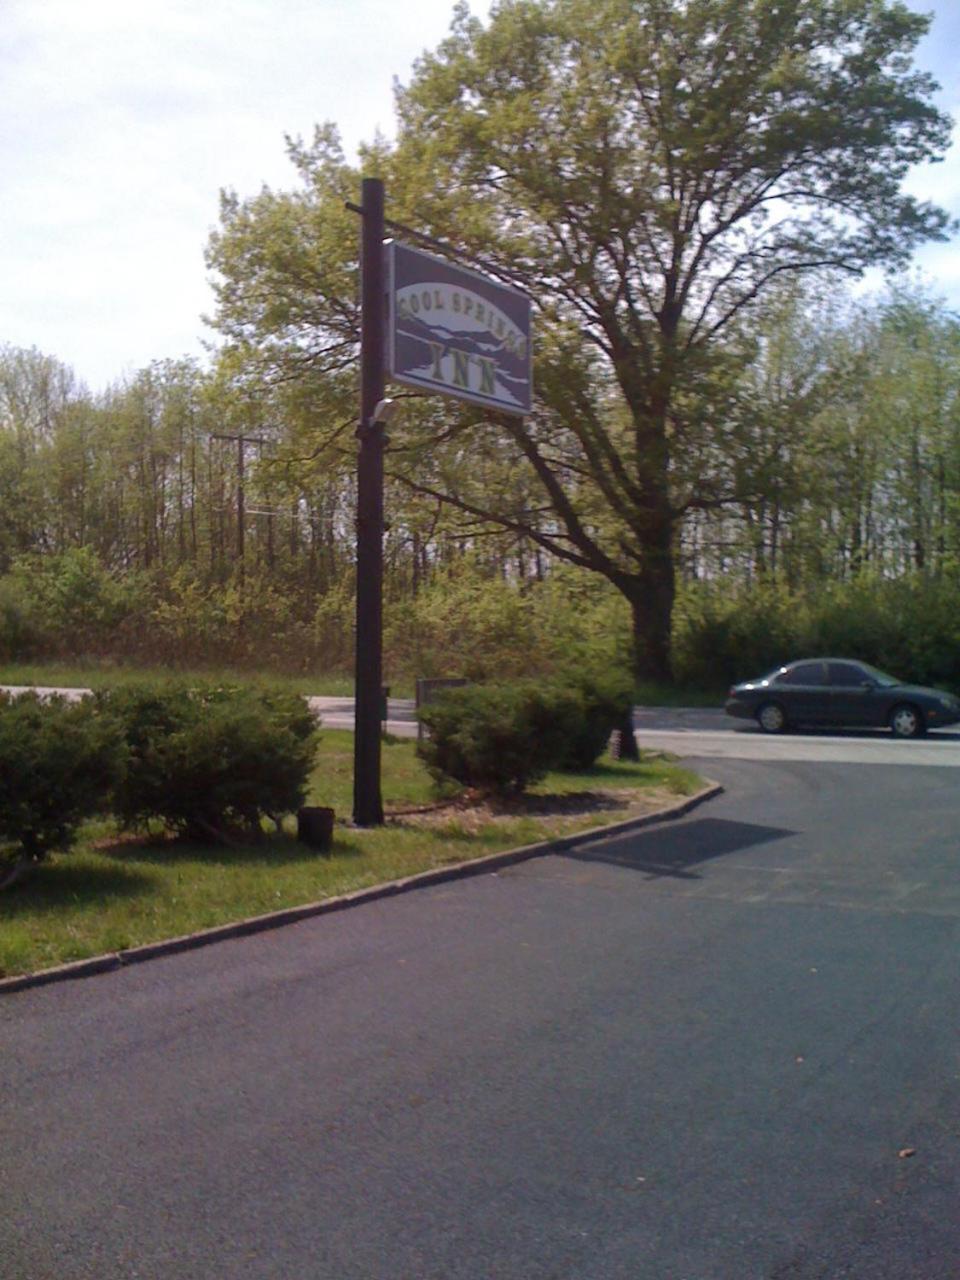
37 394
647 168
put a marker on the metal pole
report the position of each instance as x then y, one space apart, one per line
367 802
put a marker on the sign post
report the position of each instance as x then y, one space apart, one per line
452 331
367 799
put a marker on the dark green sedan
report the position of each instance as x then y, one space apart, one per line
840 692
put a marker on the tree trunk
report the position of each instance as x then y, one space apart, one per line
651 607
650 594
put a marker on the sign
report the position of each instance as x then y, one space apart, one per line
455 332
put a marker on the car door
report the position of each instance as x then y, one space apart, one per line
805 692
852 694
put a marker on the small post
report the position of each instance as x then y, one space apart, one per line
367 801
315 826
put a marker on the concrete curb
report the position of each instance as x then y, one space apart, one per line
291 915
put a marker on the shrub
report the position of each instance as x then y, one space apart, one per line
490 618
908 626
720 636
20 633
58 763
78 603
498 737
211 759
505 630
605 700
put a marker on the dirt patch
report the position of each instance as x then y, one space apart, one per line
473 811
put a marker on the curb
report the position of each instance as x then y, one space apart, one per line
291 915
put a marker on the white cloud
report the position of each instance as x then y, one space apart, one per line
121 124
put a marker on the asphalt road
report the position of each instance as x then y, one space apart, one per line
691 1054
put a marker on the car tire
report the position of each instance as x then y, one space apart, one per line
772 718
906 721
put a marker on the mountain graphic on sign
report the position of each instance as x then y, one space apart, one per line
511 371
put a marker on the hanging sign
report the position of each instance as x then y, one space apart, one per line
455 332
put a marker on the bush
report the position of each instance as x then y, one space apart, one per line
490 618
498 737
211 759
907 626
21 635
79 605
721 636
605 700
58 763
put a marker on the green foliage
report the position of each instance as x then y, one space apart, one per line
467 621
58 763
604 699
210 759
498 737
332 628
478 620
248 618
21 633
619 158
503 736
583 142
75 594
909 627
721 635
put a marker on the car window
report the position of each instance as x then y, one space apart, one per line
881 677
809 673
846 673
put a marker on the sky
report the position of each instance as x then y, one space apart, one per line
122 122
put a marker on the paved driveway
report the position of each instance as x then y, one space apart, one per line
702 1052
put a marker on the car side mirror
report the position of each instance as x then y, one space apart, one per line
868 684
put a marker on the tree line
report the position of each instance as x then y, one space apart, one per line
841 429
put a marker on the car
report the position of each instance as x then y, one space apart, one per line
840 692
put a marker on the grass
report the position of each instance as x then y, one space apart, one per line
84 674
81 675
111 893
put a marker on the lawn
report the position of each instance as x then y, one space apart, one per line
84 675
113 892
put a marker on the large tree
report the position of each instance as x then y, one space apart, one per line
647 168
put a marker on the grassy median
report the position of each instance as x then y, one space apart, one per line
113 892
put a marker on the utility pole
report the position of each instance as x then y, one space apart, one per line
242 441
367 800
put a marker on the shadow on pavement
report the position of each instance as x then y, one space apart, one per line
673 851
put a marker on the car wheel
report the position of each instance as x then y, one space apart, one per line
772 718
906 721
